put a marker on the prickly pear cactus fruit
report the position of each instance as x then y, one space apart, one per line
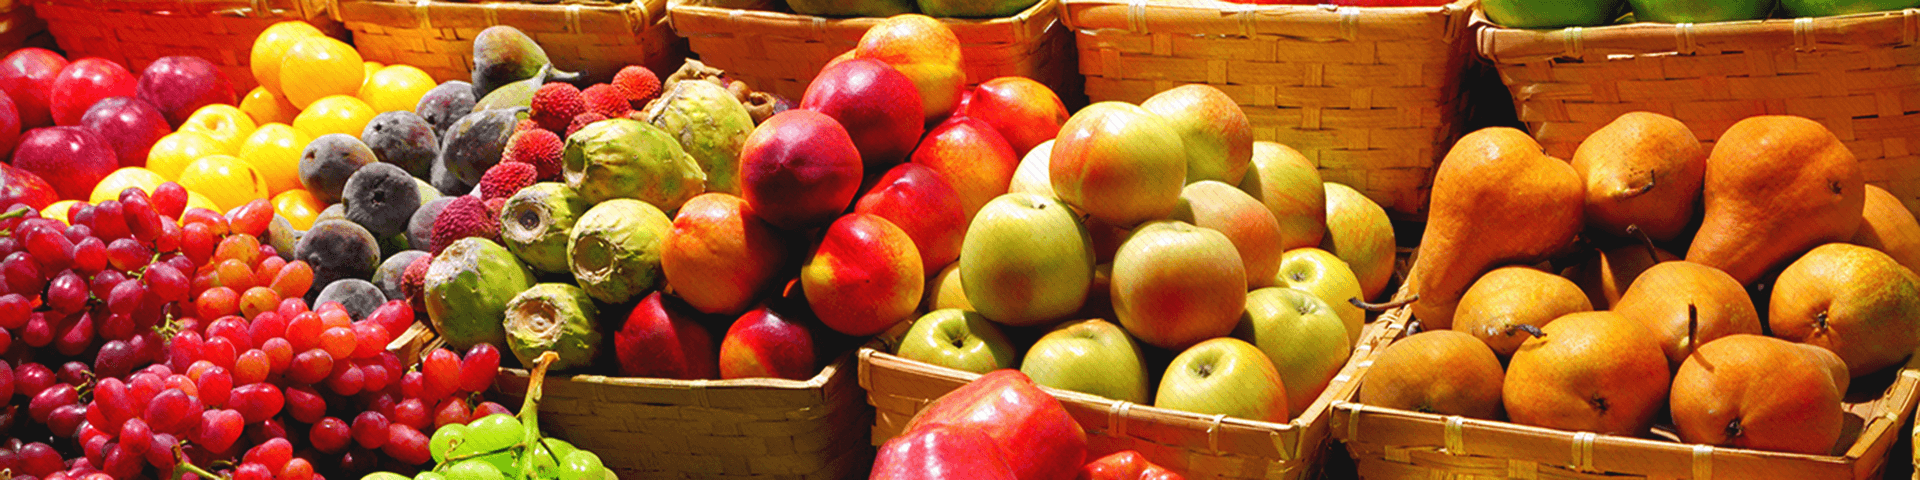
535 222
710 124
553 317
468 286
614 249
623 158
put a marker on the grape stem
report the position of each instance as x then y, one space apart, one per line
530 409
180 470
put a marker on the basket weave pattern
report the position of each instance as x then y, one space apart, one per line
646 428
1856 74
1370 95
1198 446
134 33
597 38
781 52
1392 443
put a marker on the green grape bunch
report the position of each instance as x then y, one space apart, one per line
507 447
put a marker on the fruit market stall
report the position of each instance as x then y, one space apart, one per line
1031 240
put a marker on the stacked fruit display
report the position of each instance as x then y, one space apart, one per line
885 8
1778 205
1587 13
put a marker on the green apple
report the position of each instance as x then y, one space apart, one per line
1090 356
1031 175
1359 232
957 339
1551 13
1289 185
1026 260
1304 339
1224 376
973 8
851 8
1828 8
1700 11
1326 276
944 291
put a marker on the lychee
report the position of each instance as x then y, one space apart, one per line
583 120
413 282
538 147
639 84
528 124
606 100
555 104
466 216
506 178
494 206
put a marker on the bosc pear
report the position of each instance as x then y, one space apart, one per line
1505 306
1776 186
1853 300
1642 170
1686 305
1498 199
1886 225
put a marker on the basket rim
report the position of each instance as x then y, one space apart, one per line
420 13
1212 16
818 381
1519 45
875 354
257 9
1878 432
1040 10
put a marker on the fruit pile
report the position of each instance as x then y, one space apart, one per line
1588 13
1791 273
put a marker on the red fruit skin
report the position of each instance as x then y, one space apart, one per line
940 451
21 186
9 125
1025 112
27 76
1039 439
799 170
72 159
972 157
922 203
879 107
179 85
86 81
1126 465
763 344
663 339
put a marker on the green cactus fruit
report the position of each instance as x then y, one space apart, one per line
710 124
622 158
468 287
614 249
535 222
503 55
554 317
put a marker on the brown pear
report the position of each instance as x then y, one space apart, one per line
1607 275
1642 169
1505 303
1886 225
1853 300
1498 199
1590 372
1764 393
1441 371
1686 305
1776 186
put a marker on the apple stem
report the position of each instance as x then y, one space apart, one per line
1381 307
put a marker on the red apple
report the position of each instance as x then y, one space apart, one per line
799 169
878 105
865 276
926 51
85 82
9 125
27 75
1036 435
971 156
939 452
663 338
180 85
72 159
922 203
129 125
763 343
21 186
1126 465
720 255
1024 111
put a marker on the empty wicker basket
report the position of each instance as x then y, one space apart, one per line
595 37
781 52
1852 73
1370 94
135 33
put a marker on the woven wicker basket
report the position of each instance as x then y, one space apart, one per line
596 38
18 23
1392 443
781 52
1852 73
1371 95
734 429
1198 446
134 33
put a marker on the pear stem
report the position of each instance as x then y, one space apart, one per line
1530 329
1693 325
1381 307
1653 252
